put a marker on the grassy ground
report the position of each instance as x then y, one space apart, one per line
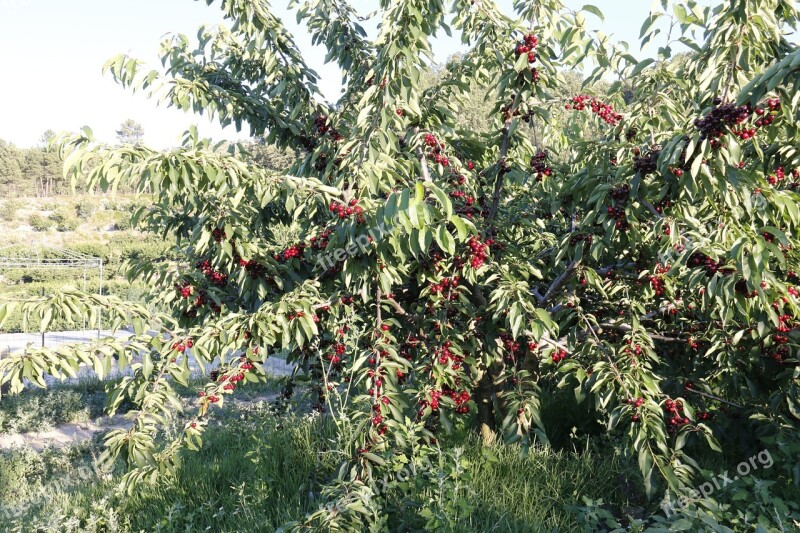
39 410
260 471
44 409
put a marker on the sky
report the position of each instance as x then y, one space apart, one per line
52 53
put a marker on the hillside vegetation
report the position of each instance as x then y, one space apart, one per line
97 226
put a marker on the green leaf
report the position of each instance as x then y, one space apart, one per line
445 240
648 23
521 63
695 170
373 458
594 11
642 65
458 222
443 199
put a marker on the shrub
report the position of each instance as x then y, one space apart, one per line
64 221
38 412
123 223
85 208
39 222
8 209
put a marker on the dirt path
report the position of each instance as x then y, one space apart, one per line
63 435
68 434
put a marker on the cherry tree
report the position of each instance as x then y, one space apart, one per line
640 251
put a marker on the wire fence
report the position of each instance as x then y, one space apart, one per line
30 258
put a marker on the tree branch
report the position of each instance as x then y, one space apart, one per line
501 170
627 327
712 397
423 161
650 208
559 282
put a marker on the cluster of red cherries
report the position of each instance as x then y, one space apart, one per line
461 398
447 357
436 149
604 111
377 418
445 285
321 123
254 268
230 380
657 279
585 238
779 175
211 397
478 251
721 117
780 354
321 242
704 416
766 114
468 199
539 165
348 210
338 351
218 234
699 259
433 402
618 214
637 403
296 250
465 204
621 193
558 355
513 347
676 417
215 277
528 47
620 196
647 163
184 288
636 351
182 345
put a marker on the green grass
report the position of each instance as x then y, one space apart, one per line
513 492
258 471
43 409
254 473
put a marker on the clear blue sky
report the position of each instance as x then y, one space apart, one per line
52 52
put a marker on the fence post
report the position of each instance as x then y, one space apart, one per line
42 330
100 309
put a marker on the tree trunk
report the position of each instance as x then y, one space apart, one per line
484 398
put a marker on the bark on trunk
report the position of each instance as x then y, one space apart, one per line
484 399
